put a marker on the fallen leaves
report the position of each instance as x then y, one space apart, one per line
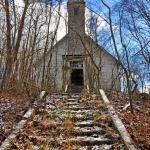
12 108
77 126
138 127
47 124
137 124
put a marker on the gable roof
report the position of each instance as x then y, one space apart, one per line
90 39
65 38
102 48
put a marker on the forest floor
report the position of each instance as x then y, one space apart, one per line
137 124
13 107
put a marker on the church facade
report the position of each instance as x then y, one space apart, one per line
77 60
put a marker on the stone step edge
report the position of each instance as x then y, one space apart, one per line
89 141
20 125
127 140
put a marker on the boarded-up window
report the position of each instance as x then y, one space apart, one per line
75 11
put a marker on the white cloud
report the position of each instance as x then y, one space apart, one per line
19 3
146 88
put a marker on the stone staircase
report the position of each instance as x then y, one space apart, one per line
67 122
79 127
75 89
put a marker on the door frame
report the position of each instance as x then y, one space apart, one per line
67 60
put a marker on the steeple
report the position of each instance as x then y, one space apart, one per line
76 25
76 16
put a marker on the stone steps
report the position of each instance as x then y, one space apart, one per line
86 132
75 89
68 123
77 108
88 141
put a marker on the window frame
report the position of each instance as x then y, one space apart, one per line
75 11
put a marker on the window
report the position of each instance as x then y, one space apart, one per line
75 11
76 65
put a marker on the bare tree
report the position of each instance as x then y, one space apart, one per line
126 70
29 38
12 49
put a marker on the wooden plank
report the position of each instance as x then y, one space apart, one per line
118 123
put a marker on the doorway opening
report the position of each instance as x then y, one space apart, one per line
77 77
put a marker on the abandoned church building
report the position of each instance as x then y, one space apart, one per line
77 61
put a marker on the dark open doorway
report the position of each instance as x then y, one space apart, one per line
77 77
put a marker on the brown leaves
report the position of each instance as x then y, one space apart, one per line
68 124
97 116
30 131
89 148
28 145
12 109
47 124
137 126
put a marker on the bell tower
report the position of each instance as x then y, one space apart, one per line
76 24
76 16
